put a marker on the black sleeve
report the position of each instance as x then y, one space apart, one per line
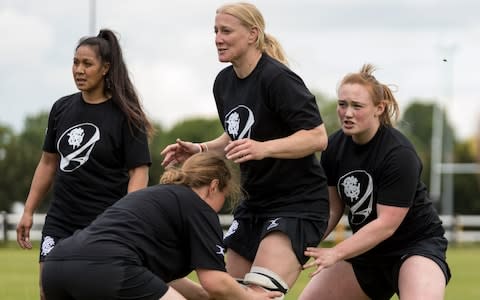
399 178
219 101
205 233
290 98
50 131
328 158
135 147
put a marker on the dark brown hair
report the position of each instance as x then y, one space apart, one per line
117 80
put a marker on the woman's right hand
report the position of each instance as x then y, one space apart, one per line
23 231
262 294
179 152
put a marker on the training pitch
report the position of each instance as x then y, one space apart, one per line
19 273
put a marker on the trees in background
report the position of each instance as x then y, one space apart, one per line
194 129
7 144
328 111
19 158
466 186
20 153
417 125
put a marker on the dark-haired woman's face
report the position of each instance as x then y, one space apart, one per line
88 70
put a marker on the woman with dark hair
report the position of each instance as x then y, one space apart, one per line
117 83
96 145
152 237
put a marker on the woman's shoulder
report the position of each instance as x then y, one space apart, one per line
177 190
227 71
71 97
276 74
225 75
396 144
64 100
397 138
166 193
270 64
336 137
336 140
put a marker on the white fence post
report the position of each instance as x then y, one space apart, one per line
3 226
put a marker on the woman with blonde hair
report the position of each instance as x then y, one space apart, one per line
272 130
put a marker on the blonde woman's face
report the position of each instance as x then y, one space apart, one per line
359 117
231 38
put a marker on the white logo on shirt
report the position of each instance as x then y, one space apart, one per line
221 250
273 223
47 245
75 137
239 122
360 198
351 187
233 122
231 230
76 144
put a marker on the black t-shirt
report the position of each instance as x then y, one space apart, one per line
166 228
271 103
97 148
386 171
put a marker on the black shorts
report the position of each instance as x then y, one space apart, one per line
378 277
86 280
245 234
51 237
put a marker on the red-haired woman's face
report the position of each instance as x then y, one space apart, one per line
359 117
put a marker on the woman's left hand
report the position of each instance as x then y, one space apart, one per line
322 258
179 152
244 150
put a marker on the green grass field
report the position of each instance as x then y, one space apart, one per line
19 274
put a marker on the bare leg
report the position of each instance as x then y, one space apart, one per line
237 266
276 254
42 294
172 294
421 278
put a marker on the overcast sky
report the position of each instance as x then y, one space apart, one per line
170 52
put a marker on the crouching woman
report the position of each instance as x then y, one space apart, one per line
150 238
